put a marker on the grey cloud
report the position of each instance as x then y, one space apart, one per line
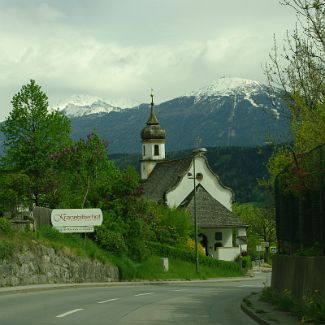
116 49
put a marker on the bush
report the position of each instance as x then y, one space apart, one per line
49 233
127 268
6 249
245 260
169 251
311 310
138 250
111 241
314 308
5 227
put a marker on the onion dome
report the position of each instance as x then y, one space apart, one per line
153 129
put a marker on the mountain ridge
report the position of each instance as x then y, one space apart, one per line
228 112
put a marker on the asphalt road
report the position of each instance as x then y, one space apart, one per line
213 302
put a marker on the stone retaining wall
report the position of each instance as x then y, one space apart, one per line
40 264
300 275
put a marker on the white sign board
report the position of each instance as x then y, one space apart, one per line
265 244
76 217
259 248
75 229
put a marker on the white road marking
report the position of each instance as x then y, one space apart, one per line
68 313
102 302
176 290
250 285
143 294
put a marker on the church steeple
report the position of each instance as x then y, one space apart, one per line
152 118
153 143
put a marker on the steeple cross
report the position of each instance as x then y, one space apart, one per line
151 101
151 96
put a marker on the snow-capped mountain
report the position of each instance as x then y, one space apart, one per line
228 86
83 105
242 89
229 112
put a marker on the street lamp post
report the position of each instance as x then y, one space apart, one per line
195 153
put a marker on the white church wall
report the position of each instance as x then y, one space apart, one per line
242 231
226 237
148 150
226 241
176 196
227 254
244 247
146 168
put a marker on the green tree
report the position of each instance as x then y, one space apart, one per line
14 191
32 134
299 71
83 174
261 223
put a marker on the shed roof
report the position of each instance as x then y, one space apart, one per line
210 213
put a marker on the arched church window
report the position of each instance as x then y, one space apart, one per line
156 150
144 150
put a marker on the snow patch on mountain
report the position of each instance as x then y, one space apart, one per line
83 105
228 87
250 99
276 113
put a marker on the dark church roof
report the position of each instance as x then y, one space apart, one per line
210 212
164 177
153 130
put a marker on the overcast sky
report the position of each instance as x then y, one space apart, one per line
121 49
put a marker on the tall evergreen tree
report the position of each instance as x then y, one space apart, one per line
32 134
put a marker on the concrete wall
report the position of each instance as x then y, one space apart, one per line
39 264
299 274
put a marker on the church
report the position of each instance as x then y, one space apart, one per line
191 184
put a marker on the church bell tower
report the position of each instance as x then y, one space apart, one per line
153 143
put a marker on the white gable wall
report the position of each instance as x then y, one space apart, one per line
210 234
210 182
226 252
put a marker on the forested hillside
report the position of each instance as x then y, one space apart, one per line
238 168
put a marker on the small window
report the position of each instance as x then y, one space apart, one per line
156 150
218 235
144 150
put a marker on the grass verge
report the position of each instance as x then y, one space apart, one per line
310 311
150 269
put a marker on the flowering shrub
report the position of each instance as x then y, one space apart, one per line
190 245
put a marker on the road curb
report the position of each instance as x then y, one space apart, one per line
252 314
44 287
265 313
